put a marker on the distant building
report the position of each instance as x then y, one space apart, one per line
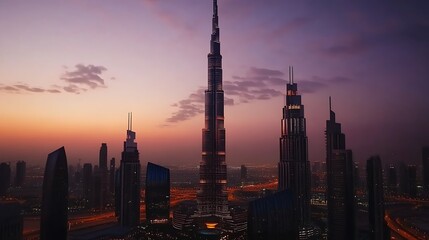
272 217
112 175
157 194
340 189
392 180
4 178
103 174
294 167
377 225
425 169
11 221
243 173
87 185
408 180
20 173
412 180
53 219
129 192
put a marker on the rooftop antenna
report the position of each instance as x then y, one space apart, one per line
130 121
330 105
292 75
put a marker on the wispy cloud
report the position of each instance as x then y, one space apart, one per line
84 78
81 79
257 84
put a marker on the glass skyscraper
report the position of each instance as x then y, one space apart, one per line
157 194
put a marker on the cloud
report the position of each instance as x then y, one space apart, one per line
81 79
86 76
257 84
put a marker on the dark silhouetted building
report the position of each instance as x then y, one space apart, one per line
243 173
20 173
11 220
374 176
392 180
412 180
408 180
103 174
112 175
129 201
157 194
53 220
212 196
272 217
87 185
294 167
4 178
340 189
425 169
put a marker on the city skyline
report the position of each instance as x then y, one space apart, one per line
159 59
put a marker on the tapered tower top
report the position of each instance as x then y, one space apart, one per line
214 42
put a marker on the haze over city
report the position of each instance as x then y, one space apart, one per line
70 72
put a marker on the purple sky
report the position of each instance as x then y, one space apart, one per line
71 70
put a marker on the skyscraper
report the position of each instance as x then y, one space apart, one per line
20 173
87 185
157 194
112 175
294 167
425 169
53 220
377 224
102 174
129 202
212 196
4 178
340 191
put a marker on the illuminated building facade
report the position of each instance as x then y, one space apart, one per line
340 190
129 192
157 194
212 196
54 211
294 167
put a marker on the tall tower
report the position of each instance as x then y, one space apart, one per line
129 202
340 191
294 167
53 219
377 225
212 196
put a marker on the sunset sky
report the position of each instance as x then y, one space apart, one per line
71 70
